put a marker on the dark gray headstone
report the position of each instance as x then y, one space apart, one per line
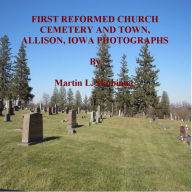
45 109
182 131
53 110
49 111
93 116
7 118
16 108
38 110
72 121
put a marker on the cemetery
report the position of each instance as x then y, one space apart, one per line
46 154
92 99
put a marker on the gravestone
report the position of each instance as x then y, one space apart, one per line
182 131
109 114
171 116
41 107
67 110
10 108
154 118
53 110
189 139
99 117
56 109
49 111
7 118
31 109
78 110
45 109
72 121
37 110
16 108
19 104
1 108
93 116
32 131
119 113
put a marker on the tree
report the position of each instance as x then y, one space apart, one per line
164 104
21 88
62 97
55 97
70 99
46 99
78 99
85 103
145 82
5 69
103 95
123 95
181 111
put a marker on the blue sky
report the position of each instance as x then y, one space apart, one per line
69 62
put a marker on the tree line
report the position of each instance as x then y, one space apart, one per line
141 99
14 73
66 99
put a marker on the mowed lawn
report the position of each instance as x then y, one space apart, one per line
121 153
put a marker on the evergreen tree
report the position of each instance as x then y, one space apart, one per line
62 97
103 95
55 97
145 82
165 105
85 103
123 95
70 99
21 88
5 69
78 99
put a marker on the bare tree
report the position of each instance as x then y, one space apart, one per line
46 99
181 111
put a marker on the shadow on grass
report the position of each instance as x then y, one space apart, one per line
78 126
7 190
45 139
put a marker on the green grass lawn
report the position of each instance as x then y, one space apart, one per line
119 154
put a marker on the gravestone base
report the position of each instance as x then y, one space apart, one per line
30 143
7 118
98 120
71 130
16 108
74 125
11 111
